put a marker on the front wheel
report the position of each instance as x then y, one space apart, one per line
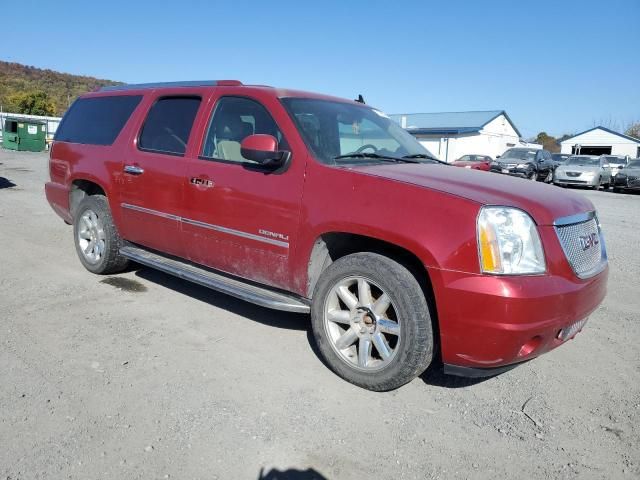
533 175
371 322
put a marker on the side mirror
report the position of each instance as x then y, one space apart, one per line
497 156
263 149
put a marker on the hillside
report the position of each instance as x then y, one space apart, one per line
61 88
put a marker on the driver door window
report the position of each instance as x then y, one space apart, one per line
234 119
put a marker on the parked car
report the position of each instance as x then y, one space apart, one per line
475 162
526 163
628 177
559 158
314 204
585 171
615 162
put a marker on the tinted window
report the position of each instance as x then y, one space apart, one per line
96 121
233 120
168 125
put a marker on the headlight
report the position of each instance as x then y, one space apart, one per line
522 165
508 242
589 174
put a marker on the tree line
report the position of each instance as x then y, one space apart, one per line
35 91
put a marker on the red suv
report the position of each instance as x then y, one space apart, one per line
308 203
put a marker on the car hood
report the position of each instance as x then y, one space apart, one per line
579 168
634 172
545 203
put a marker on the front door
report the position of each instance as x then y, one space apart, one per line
238 219
153 175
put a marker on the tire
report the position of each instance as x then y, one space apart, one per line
616 190
549 177
533 176
409 351
93 223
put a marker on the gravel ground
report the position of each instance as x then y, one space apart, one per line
141 375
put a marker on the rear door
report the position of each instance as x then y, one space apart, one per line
240 219
153 173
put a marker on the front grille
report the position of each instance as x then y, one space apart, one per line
573 174
583 246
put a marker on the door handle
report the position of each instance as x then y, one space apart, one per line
133 170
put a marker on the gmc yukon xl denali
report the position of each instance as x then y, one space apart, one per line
313 204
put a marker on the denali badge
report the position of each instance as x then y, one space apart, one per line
201 181
279 236
588 241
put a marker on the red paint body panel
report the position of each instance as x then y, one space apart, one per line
267 224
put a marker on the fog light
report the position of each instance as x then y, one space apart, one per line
530 346
569 332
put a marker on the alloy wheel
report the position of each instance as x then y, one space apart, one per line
91 236
361 323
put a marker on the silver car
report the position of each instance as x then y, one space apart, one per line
584 170
616 162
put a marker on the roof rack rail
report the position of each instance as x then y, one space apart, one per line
192 83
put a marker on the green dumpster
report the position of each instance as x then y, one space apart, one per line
24 134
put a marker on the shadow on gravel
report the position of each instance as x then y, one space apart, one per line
273 318
6 183
291 474
435 377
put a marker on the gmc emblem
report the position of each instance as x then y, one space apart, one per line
588 241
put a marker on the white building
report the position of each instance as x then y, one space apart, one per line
601 141
450 135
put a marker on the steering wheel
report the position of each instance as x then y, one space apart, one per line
364 147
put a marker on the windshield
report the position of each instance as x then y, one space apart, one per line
634 164
519 154
586 161
615 160
558 157
336 129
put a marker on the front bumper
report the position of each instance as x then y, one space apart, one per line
580 181
489 322
626 182
514 171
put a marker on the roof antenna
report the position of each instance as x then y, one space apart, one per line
360 99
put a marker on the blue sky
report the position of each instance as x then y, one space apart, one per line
558 66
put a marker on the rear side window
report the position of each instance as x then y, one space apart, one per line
168 125
98 120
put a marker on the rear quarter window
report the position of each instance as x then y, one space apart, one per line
97 120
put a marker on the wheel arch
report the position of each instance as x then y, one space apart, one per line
82 187
330 246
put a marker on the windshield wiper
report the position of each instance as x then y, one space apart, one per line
384 158
427 157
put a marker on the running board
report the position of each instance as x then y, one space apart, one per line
262 296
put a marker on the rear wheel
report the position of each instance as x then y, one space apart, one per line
371 322
96 237
549 177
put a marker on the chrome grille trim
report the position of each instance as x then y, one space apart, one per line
578 218
572 232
